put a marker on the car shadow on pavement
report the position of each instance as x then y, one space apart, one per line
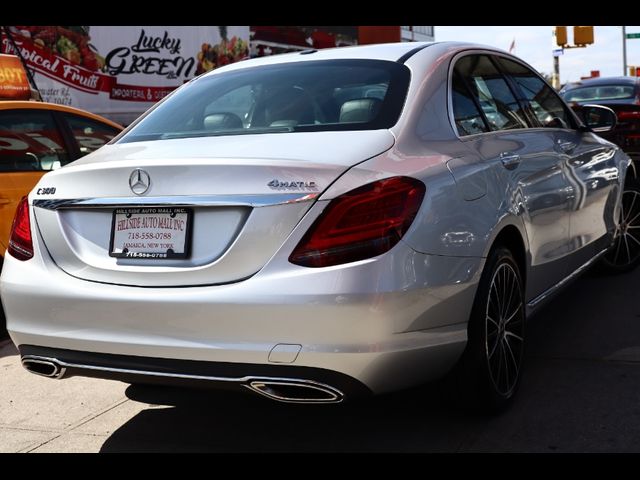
583 356
204 421
3 326
7 348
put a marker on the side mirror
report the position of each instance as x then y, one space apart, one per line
598 118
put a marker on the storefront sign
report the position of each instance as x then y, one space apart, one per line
120 71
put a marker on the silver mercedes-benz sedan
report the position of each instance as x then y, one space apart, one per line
323 225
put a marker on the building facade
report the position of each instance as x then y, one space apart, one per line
417 34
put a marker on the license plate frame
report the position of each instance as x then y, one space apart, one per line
171 221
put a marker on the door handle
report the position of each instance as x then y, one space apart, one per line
4 201
510 160
566 147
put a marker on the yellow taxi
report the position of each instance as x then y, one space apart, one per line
36 137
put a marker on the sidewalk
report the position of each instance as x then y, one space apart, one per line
44 415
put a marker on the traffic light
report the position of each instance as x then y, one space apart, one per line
583 35
634 71
561 36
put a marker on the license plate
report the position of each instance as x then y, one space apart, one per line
151 233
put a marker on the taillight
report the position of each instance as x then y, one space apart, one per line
20 244
362 223
629 115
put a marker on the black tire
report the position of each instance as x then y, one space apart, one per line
624 255
488 374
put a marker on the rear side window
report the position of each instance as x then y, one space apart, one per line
30 141
491 91
547 106
468 119
89 133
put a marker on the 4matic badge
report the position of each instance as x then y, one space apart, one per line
279 184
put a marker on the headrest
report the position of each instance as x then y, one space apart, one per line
222 121
359 110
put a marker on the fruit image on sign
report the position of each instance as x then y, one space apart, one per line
71 43
225 52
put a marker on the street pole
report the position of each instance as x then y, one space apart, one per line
556 72
624 50
555 76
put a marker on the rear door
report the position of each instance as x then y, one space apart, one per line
529 178
589 165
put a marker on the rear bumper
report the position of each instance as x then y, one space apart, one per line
388 323
286 384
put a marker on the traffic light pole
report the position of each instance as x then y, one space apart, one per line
582 37
555 76
624 50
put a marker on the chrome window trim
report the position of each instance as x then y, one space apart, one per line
254 201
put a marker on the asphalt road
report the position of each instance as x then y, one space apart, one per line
581 393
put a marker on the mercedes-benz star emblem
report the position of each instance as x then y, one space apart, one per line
139 181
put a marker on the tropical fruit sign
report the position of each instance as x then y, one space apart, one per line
120 71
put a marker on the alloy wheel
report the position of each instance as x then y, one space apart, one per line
504 324
626 249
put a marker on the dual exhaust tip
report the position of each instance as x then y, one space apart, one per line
296 391
279 389
46 367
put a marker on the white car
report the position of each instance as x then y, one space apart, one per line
322 225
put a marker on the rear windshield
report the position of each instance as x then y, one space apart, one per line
292 97
599 92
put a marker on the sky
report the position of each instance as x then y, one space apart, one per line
534 45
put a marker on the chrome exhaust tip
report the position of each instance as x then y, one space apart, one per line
295 391
45 367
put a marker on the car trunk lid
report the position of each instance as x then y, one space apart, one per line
242 196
